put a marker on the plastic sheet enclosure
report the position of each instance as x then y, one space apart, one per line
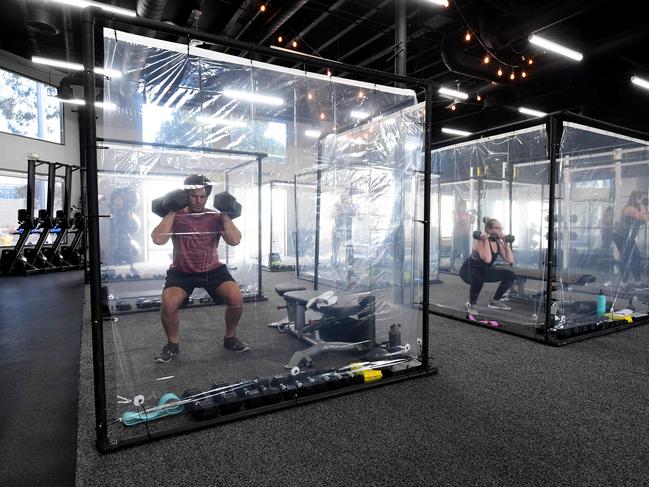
598 246
326 171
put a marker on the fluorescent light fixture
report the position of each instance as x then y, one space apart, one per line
643 83
105 106
554 47
103 6
453 93
254 97
71 101
220 121
358 114
450 131
81 102
74 66
531 112
443 3
312 134
109 73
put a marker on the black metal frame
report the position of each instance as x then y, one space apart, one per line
89 19
270 206
554 127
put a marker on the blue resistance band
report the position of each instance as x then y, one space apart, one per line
131 418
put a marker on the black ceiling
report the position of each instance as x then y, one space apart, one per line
611 35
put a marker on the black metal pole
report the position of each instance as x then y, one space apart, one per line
51 188
400 37
31 187
90 151
554 128
425 305
67 192
297 248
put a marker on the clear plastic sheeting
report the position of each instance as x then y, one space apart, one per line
601 239
595 278
502 181
326 173
278 226
305 224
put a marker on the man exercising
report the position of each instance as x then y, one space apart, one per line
195 233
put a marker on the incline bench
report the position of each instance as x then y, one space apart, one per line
522 275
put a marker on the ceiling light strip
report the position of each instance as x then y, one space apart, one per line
56 63
531 112
451 131
554 47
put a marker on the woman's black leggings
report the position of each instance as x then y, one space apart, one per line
629 261
477 275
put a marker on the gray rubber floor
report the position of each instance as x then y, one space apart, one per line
503 410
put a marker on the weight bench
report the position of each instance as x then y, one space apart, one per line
341 324
347 325
522 275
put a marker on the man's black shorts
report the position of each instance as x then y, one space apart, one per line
209 280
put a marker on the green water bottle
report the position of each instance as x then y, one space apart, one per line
601 303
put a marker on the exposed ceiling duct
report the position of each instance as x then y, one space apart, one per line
135 56
41 21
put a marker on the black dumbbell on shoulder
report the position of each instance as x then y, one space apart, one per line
173 201
510 239
227 204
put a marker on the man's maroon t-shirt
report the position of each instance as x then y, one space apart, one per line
195 238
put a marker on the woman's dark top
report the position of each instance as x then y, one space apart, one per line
476 260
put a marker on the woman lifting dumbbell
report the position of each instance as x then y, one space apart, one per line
634 215
479 268
195 233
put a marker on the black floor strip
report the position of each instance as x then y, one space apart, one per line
40 336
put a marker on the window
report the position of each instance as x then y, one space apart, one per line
28 109
13 196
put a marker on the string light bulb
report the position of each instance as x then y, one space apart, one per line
328 72
478 97
453 107
280 39
360 94
309 96
486 59
523 74
530 61
262 9
322 116
467 36
512 76
294 44
500 72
